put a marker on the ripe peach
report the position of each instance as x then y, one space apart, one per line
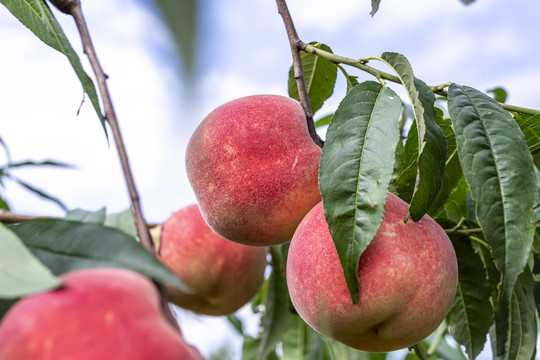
407 277
100 313
254 169
224 275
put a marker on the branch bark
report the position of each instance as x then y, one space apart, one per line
296 45
110 116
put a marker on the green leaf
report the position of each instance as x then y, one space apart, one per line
352 81
515 332
37 16
324 120
21 273
319 75
530 126
277 316
5 305
431 140
405 182
51 163
355 169
471 315
456 206
181 17
419 351
499 169
536 278
236 323
97 217
64 245
499 94
301 342
4 146
452 170
374 6
3 204
339 351
250 348
124 221
40 193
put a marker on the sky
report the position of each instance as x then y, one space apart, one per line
243 50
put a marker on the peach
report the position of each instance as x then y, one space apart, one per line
407 281
222 274
254 169
100 313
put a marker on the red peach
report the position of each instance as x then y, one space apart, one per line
223 275
254 169
100 313
407 277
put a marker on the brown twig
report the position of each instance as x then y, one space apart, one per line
110 116
7 217
296 45
143 232
362 65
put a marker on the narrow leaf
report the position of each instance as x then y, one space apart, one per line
515 332
236 323
3 204
471 315
339 351
301 342
431 139
374 6
456 206
21 273
499 169
64 246
320 78
277 316
37 16
40 193
324 120
355 170
352 81
452 169
181 17
530 126
50 163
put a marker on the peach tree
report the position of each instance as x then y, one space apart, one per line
452 152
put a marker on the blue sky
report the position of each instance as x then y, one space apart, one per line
243 51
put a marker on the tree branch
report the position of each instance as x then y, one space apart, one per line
7 217
296 44
361 64
75 10
110 116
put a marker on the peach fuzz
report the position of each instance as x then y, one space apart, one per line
254 169
100 313
407 281
222 274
